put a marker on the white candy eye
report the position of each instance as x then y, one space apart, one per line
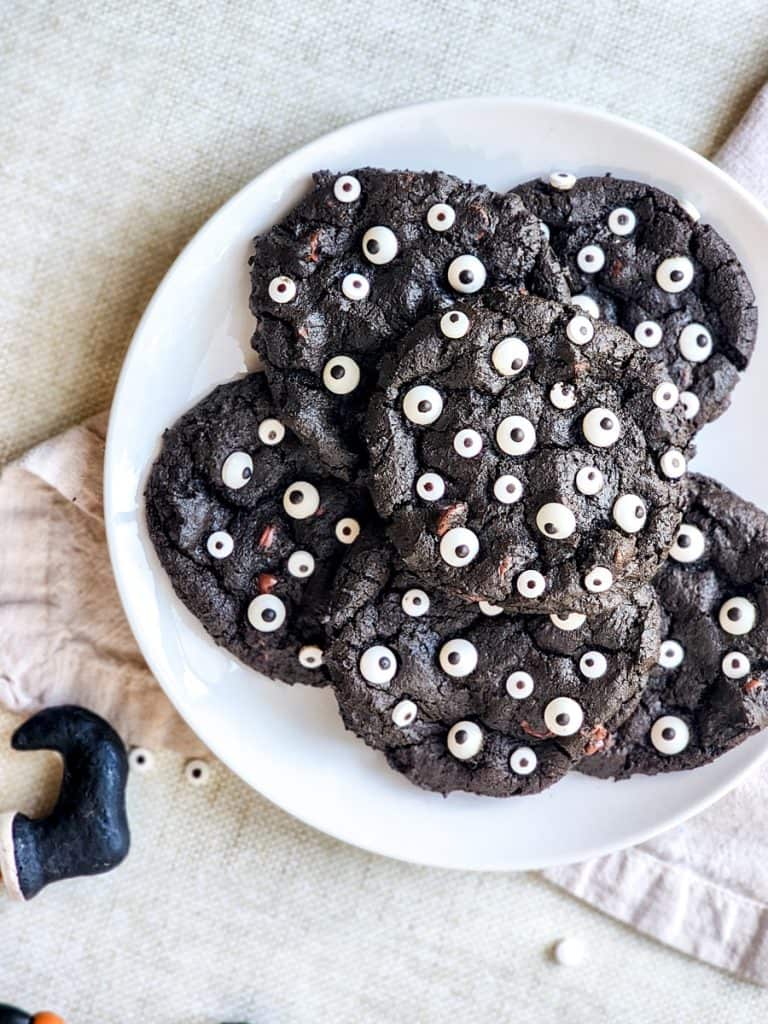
301 500
347 188
341 375
590 259
593 665
430 486
563 716
562 395
519 685
568 622
379 245
378 665
347 530
530 583
422 405
736 665
544 229
237 470
465 740
598 580
672 464
271 432
454 324
589 480
695 343
601 427
489 609
666 395
355 287
266 613
467 443
621 221
507 489
671 654
674 274
301 564
648 334
220 544
441 216
523 761
415 603
588 304
458 658
466 274
670 735
579 330
688 545
555 520
562 180
459 546
737 616
403 713
510 356
282 289
310 656
630 513
691 404
515 435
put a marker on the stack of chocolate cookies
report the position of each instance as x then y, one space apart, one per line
459 494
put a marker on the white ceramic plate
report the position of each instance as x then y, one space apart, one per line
288 742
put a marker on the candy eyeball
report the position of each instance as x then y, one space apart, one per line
507 489
301 564
588 304
579 330
562 180
220 544
415 603
530 583
672 464
648 334
601 427
737 616
589 480
379 245
568 622
736 665
562 395
347 188
465 740
266 613
341 375
515 435
454 324
282 289
695 343
466 274
630 513
378 665
670 735
666 395
593 665
671 654
691 404
441 216
590 259
458 658
355 287
403 713
598 580
467 443
622 221
430 486
523 761
674 274
688 545
510 357
271 432
310 656
519 685
563 716
459 546
555 521
347 530
544 229
491 610
422 405
237 470
301 500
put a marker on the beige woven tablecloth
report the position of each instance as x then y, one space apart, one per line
123 127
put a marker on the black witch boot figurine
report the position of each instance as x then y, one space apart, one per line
87 831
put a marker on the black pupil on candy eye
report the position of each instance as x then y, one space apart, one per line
454 658
269 615
429 486
589 662
347 186
606 423
639 512
520 684
462 551
735 663
523 762
734 614
425 406
441 215
272 435
622 218
510 488
516 364
676 275
337 372
590 475
668 734
247 473
346 530
196 773
563 719
303 568
357 283
468 442
466 277
597 583
384 663
372 246
219 545
454 318
295 497
517 434
550 528
648 332
531 584
701 340
140 759
461 736
666 396
281 286
589 257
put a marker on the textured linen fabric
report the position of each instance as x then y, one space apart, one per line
124 127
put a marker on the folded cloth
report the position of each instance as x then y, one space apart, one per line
702 887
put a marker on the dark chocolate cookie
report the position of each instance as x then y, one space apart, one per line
360 260
639 258
251 530
524 462
710 690
464 696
